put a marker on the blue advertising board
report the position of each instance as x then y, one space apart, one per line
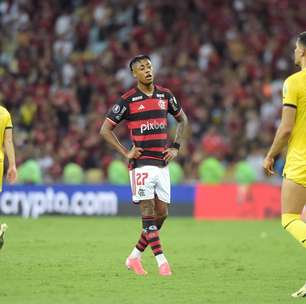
85 200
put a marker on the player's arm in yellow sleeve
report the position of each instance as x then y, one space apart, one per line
286 126
290 93
10 151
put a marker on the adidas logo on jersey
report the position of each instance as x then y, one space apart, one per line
141 107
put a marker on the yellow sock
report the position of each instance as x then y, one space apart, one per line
295 226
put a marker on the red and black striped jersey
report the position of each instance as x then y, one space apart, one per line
147 121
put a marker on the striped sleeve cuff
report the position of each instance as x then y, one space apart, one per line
111 121
289 105
179 113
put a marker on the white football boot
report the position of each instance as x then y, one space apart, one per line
300 293
3 228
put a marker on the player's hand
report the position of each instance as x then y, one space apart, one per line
170 154
268 164
11 175
134 153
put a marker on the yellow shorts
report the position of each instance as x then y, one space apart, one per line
1 174
297 175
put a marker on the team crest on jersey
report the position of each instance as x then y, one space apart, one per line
162 104
141 192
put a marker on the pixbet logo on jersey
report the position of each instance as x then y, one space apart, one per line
155 125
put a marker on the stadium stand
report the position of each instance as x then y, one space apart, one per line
63 64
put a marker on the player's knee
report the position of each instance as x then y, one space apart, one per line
288 218
162 217
147 208
160 220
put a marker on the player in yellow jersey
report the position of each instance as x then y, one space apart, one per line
7 146
292 132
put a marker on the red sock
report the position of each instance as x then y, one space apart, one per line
142 242
154 241
151 234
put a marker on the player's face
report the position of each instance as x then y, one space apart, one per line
298 53
143 71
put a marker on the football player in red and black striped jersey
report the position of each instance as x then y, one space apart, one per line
145 108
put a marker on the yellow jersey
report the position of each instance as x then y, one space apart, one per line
294 95
5 123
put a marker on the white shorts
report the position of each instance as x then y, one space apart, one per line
148 181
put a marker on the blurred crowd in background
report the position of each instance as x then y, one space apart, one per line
63 63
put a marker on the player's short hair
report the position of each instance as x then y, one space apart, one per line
302 38
137 59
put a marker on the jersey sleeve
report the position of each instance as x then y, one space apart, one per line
9 124
290 93
174 107
118 112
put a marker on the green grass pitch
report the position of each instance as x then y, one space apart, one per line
81 260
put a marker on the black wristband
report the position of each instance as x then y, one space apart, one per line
175 145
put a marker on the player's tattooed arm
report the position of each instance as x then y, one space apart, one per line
182 122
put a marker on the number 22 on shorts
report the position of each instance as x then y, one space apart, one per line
141 177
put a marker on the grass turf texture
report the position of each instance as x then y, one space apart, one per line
81 260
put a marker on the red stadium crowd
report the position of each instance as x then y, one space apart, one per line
64 63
